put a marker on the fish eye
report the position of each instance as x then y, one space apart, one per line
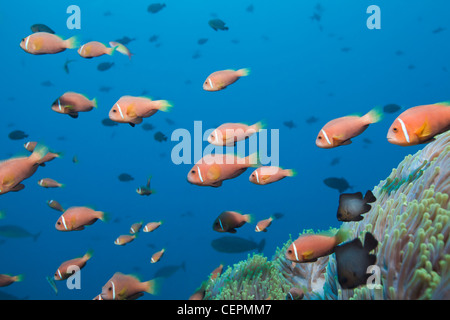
114 110
289 251
193 171
58 223
319 137
395 129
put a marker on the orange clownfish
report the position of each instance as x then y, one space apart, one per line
420 124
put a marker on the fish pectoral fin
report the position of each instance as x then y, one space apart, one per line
307 255
131 111
232 231
213 172
341 141
131 124
8 181
73 115
18 188
265 178
424 130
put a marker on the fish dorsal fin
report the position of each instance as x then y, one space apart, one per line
214 172
131 111
424 130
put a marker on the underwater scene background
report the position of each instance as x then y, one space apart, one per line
305 70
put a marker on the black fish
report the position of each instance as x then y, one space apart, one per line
217 24
367 140
125 177
12 231
159 136
39 27
47 83
202 41
107 122
148 126
438 30
104 66
353 259
153 38
170 121
311 120
235 244
17 135
278 215
145 190
196 55
168 271
125 40
250 8
335 161
66 65
337 183
391 108
105 89
290 124
352 205
155 7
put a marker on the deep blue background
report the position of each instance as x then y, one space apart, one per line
297 71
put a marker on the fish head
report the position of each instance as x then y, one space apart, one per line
218 225
196 175
324 140
118 114
292 253
109 291
255 177
62 224
209 85
400 134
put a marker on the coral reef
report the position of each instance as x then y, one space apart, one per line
410 219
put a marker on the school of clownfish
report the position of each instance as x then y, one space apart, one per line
414 126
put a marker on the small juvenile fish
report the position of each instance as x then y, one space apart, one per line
124 239
145 190
121 48
160 137
72 103
55 205
46 43
353 205
391 108
228 134
104 66
228 221
157 256
17 135
290 124
219 80
49 183
340 184
125 177
420 124
128 287
217 24
95 49
155 7
310 247
262 225
65 270
76 218
353 259
6 279
269 174
136 227
152 226
132 110
340 131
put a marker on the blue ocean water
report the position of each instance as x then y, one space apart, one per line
300 68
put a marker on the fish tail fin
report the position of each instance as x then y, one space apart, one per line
38 154
342 235
110 51
370 242
374 115
95 103
36 236
72 42
290 172
121 48
104 216
369 197
248 218
164 105
2 215
252 160
259 125
19 278
88 254
154 286
243 72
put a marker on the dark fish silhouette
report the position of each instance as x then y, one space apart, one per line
167 271
159 136
66 65
337 183
105 89
391 108
367 140
107 122
104 66
235 244
290 124
153 38
353 259
39 27
155 7
217 24
17 135
145 190
12 231
335 161
312 120
202 41
125 40
125 177
47 83
250 8
438 30
353 205
148 126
